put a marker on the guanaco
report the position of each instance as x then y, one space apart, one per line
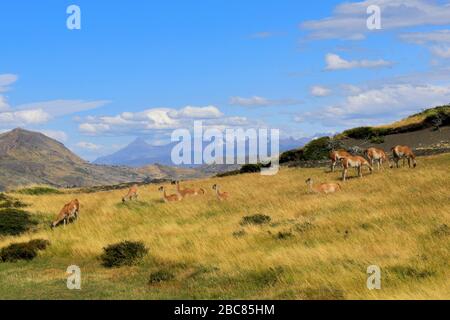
69 212
220 195
324 187
132 194
171 197
189 192
337 156
378 155
403 152
354 162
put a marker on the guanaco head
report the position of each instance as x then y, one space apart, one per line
214 187
173 182
161 188
309 181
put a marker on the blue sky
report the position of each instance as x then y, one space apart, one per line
146 68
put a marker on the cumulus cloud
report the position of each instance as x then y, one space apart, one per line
257 101
24 117
88 145
152 120
374 106
320 91
348 20
335 62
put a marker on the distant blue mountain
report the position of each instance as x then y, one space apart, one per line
140 153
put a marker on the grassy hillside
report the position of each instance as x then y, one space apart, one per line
314 247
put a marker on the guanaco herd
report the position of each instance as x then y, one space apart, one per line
71 210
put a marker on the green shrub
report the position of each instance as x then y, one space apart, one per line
292 156
318 149
23 251
359 133
228 173
14 221
161 276
35 191
377 139
256 219
124 253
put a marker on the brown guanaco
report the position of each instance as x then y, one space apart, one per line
354 162
325 188
189 192
69 212
376 155
220 195
337 156
171 197
403 152
132 193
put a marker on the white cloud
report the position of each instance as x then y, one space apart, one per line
257 101
349 19
335 62
61 107
374 106
24 117
438 41
6 80
320 91
58 135
3 104
157 119
441 51
88 145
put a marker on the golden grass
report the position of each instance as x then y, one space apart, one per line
389 219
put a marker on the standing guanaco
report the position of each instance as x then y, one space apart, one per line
324 187
378 155
220 195
337 156
403 152
69 212
189 192
132 193
354 162
171 197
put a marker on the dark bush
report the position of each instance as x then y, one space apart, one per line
292 156
250 168
14 221
35 191
284 235
318 149
377 139
257 219
124 253
23 251
359 133
161 276
239 234
228 173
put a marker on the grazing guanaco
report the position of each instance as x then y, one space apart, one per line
189 192
132 193
69 212
378 155
324 187
220 195
354 162
403 152
337 156
171 197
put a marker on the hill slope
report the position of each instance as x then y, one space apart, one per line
315 247
32 158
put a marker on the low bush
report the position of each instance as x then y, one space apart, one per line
14 222
250 168
377 139
36 191
161 276
256 219
318 149
124 253
23 251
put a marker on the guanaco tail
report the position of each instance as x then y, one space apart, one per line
220 195
171 197
325 188
132 193
69 212
354 162
403 152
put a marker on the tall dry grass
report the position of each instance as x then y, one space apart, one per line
316 246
